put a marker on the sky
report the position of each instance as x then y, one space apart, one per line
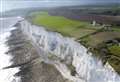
13 4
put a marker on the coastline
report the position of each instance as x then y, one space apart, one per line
30 60
32 69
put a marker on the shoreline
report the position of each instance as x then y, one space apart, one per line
32 69
28 58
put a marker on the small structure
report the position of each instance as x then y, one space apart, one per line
94 23
107 27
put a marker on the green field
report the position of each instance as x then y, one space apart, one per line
66 27
115 57
115 50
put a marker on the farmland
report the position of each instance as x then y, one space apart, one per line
76 24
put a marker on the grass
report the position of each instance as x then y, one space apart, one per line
115 57
115 50
116 29
63 25
115 64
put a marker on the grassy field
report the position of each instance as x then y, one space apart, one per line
115 57
63 25
115 50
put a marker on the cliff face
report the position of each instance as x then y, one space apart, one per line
29 63
71 59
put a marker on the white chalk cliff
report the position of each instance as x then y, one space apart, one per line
67 51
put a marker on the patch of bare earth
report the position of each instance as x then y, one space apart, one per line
102 37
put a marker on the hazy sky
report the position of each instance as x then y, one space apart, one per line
13 4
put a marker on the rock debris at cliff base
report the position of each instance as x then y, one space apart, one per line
32 69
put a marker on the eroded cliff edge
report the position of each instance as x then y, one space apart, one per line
25 56
71 59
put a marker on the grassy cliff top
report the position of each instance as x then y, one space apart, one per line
63 25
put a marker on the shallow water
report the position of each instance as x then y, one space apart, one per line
6 75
